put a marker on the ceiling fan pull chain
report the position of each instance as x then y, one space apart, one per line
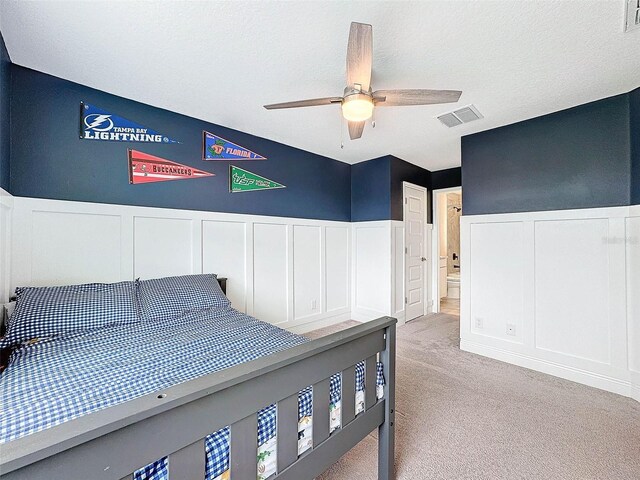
373 118
341 132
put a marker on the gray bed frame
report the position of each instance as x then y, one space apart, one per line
114 442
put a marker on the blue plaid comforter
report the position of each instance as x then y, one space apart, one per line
52 381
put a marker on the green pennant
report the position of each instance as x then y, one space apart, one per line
241 180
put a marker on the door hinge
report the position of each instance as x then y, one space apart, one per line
405 300
405 200
405 250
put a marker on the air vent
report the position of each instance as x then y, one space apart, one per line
632 21
462 115
450 120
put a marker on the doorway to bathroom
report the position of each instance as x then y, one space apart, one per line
447 210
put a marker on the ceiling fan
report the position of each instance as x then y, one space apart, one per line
359 100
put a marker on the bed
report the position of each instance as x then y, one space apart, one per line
209 393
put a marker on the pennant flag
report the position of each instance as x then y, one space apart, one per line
243 181
98 124
217 148
145 168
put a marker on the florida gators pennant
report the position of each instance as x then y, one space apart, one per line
217 148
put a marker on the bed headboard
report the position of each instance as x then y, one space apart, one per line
223 284
5 313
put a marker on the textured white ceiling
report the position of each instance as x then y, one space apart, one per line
221 61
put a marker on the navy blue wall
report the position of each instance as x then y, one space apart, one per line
634 127
576 158
5 90
451 177
49 160
376 187
371 190
402 171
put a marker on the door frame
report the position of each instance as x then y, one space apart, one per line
435 246
427 268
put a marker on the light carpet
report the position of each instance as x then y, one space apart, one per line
463 416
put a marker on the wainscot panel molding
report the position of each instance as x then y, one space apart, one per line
377 270
288 271
554 291
397 274
6 210
632 237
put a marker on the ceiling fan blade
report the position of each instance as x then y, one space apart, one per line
392 98
356 129
313 102
360 55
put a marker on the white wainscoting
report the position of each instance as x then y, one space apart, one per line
632 236
556 292
377 270
6 210
290 272
397 274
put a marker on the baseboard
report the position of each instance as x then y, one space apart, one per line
321 323
400 316
603 382
635 392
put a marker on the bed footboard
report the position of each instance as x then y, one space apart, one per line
113 443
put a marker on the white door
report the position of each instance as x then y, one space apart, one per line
415 218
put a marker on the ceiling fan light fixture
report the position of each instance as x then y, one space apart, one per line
357 107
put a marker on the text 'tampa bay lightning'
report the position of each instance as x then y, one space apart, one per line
98 124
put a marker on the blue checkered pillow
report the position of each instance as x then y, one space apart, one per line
43 312
171 296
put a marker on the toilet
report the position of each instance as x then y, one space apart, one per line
453 285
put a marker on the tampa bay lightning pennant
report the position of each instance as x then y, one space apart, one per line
98 124
217 148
